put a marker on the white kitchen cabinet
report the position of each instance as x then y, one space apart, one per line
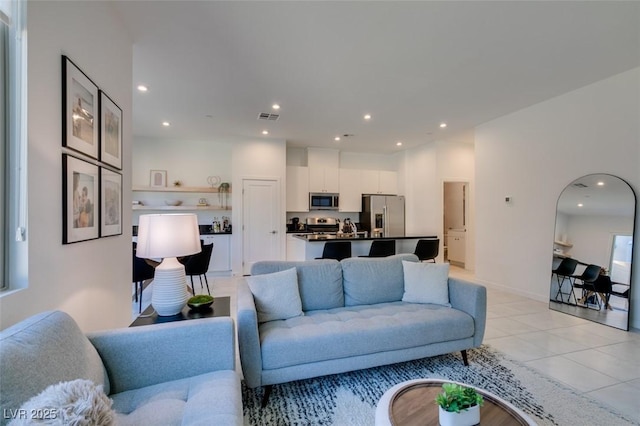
323 170
379 182
456 246
324 179
350 190
297 189
220 263
295 248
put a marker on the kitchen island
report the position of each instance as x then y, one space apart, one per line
310 246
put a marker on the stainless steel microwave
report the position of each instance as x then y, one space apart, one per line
323 201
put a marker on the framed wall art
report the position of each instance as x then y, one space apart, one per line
110 203
110 132
80 186
158 178
79 108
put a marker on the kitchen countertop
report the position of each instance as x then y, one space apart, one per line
203 230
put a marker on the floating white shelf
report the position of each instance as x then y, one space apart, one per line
177 189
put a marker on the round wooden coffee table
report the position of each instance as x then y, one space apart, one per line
413 403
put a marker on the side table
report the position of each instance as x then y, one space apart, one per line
220 308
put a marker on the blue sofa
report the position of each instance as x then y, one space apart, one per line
354 318
170 374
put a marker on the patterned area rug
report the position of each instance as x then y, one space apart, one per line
350 399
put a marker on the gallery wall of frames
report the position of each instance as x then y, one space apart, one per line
91 159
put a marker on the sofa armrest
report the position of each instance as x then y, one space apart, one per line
470 298
249 337
142 356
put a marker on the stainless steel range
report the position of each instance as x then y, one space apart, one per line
322 225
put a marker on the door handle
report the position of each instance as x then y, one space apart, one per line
274 232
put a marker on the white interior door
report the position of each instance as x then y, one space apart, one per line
261 219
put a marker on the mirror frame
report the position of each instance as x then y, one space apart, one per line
634 214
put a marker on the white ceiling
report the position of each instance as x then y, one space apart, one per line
212 67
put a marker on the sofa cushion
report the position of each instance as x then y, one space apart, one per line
319 281
276 295
374 280
426 283
43 350
359 330
208 399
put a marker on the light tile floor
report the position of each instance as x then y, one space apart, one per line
593 359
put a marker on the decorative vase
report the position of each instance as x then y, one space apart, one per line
468 417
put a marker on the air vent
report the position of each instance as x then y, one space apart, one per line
580 185
348 135
268 116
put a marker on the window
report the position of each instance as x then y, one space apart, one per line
13 189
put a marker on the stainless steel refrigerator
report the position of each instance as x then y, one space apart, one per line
383 215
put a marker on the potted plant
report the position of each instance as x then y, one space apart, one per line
459 405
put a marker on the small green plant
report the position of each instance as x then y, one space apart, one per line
455 398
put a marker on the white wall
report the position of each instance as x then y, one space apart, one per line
256 159
190 162
89 280
592 236
423 172
531 155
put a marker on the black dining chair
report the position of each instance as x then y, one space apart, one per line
382 248
142 271
587 280
337 250
427 249
198 264
564 271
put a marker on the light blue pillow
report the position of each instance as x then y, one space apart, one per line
276 295
426 283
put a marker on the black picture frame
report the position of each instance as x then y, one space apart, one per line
110 203
79 110
110 131
80 190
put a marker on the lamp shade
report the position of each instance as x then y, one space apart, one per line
167 235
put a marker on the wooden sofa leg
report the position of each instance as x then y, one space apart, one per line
265 396
464 357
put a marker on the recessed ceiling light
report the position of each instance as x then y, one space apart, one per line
275 106
367 116
600 183
580 204
398 143
166 124
142 88
337 139
443 125
265 132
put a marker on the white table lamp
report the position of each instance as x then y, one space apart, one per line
167 236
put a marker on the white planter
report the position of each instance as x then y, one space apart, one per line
468 417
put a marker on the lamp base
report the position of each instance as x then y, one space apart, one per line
169 294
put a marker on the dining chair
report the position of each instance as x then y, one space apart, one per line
198 264
564 271
427 249
142 271
382 248
337 250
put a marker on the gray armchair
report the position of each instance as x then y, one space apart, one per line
172 373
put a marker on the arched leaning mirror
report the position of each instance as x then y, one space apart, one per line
593 249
